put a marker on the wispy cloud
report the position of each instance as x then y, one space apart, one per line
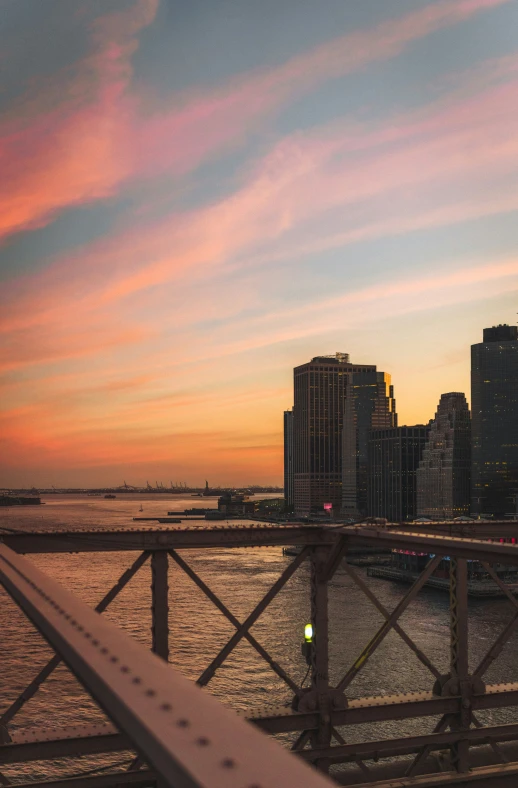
336 186
58 150
98 135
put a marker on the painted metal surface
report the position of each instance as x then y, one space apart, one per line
188 739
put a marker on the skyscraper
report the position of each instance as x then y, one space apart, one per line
288 459
370 404
322 408
394 456
494 403
319 396
443 476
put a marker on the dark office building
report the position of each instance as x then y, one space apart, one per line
443 476
288 459
320 448
393 458
319 396
370 405
494 405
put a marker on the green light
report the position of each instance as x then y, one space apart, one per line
308 633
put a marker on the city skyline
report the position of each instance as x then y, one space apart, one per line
196 201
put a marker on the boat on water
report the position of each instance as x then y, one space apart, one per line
110 495
168 519
20 500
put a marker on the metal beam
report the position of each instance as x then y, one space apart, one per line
160 604
252 618
320 650
386 615
189 571
186 736
459 666
388 748
385 628
501 776
141 779
506 633
52 664
119 539
41 745
495 552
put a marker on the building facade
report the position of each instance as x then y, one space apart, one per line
336 403
394 455
288 460
370 405
494 403
443 476
319 397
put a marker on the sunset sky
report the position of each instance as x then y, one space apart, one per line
195 197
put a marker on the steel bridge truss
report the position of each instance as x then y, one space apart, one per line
178 735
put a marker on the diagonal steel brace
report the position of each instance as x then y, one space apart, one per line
49 668
385 628
234 621
209 672
506 633
397 628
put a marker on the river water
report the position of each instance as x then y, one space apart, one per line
197 630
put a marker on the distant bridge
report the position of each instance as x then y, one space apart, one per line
183 738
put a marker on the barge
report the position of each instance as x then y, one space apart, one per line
406 566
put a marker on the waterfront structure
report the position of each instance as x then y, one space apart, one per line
288 460
369 405
393 458
494 403
443 476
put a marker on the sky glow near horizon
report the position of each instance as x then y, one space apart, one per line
197 197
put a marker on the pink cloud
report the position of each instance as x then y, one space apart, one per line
335 186
67 145
99 135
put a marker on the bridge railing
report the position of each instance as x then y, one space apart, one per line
127 681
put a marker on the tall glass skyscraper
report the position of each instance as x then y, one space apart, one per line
494 406
443 476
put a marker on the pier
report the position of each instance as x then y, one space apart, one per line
181 736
